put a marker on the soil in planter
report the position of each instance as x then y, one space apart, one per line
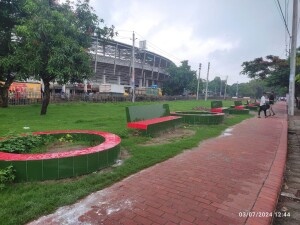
65 146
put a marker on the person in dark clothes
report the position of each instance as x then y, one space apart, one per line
271 103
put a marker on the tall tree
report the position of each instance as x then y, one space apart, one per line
181 79
214 86
273 70
11 14
55 41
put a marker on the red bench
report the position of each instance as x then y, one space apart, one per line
151 119
217 107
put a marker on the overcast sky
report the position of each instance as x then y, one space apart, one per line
223 32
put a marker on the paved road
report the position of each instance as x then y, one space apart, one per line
219 182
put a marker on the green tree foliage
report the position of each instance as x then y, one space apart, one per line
216 86
274 71
10 15
182 79
54 42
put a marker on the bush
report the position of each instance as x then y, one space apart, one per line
7 175
22 144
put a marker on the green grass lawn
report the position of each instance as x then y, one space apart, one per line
23 202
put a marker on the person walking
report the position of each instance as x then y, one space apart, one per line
262 105
271 103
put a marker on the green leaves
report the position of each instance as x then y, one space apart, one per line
181 78
22 144
6 176
274 70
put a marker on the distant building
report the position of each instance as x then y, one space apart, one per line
112 62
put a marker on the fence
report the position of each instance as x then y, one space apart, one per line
100 98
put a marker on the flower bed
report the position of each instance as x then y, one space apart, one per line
200 117
57 165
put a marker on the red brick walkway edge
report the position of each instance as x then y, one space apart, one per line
268 196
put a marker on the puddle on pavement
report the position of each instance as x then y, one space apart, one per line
227 132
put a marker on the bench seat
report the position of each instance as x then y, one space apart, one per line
143 125
239 107
219 110
151 119
217 107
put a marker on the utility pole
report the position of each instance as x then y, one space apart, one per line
225 87
133 75
96 51
221 88
291 101
237 90
207 82
198 81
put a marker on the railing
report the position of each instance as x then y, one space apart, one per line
23 101
101 98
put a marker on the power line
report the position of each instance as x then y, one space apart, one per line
153 46
283 18
287 41
158 50
162 51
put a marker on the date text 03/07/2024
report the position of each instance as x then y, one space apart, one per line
264 214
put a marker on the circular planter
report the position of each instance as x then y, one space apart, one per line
238 111
50 166
252 107
200 117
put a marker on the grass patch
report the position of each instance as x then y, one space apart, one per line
23 202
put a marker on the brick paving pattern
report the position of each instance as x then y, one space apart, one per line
238 172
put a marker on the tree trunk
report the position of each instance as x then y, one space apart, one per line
46 97
4 91
4 96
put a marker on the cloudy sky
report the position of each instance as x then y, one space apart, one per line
223 32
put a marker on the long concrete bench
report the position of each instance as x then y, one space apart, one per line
151 119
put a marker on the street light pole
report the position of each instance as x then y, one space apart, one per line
133 75
207 82
221 88
291 101
198 82
96 51
225 87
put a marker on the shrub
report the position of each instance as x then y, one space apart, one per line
22 144
7 175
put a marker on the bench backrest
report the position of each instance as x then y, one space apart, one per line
216 104
238 103
145 112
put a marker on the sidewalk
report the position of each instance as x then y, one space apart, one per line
218 182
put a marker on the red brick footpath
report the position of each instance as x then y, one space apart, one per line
232 179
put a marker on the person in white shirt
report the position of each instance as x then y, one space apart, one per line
262 105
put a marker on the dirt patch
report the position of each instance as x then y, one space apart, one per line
124 154
169 136
202 108
64 147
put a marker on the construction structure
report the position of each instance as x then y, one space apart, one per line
113 64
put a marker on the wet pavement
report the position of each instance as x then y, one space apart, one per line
233 179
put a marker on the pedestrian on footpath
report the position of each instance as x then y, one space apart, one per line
271 103
263 105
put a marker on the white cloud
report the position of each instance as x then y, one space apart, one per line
225 33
